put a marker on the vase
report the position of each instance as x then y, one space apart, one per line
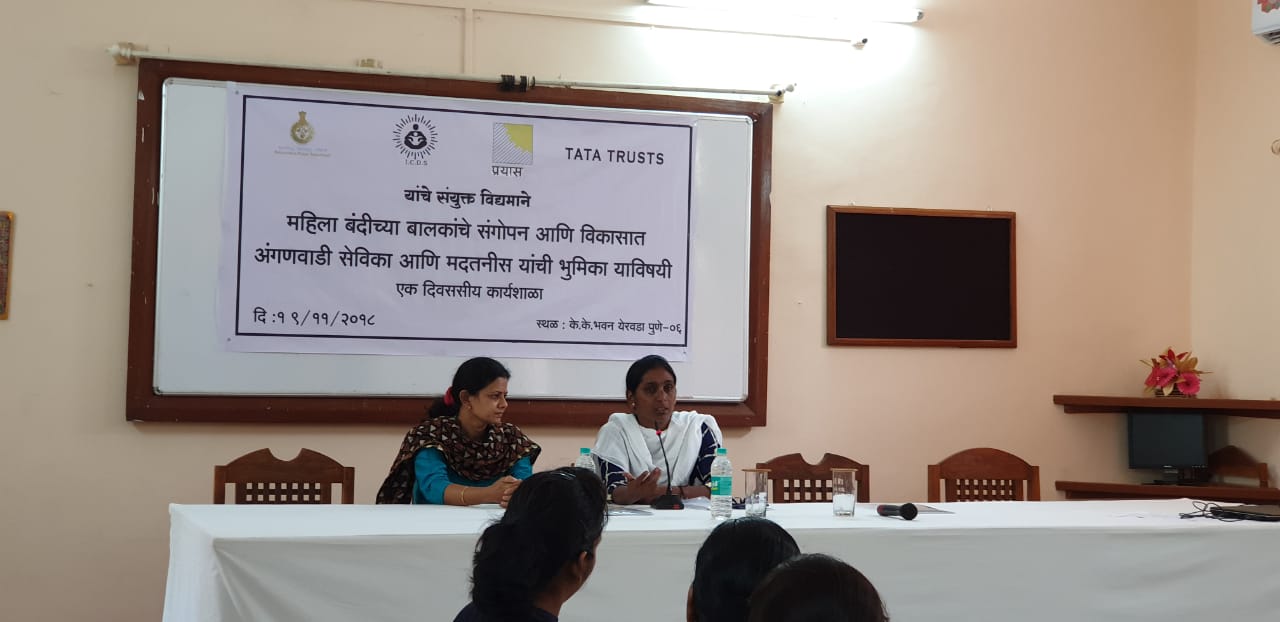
1174 393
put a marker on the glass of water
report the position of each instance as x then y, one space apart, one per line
757 501
844 490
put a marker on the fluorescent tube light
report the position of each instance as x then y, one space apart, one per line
874 12
897 15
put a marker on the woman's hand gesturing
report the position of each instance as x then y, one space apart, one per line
642 489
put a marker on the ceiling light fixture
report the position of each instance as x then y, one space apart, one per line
864 11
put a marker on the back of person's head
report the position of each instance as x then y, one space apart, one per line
472 376
552 520
638 369
816 588
731 563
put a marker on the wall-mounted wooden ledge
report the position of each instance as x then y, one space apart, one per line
1265 409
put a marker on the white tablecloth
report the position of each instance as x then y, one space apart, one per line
1074 561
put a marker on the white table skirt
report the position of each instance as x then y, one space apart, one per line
1074 561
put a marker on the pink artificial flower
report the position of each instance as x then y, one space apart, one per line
1161 376
1188 384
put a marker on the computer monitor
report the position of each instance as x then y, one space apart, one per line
1176 443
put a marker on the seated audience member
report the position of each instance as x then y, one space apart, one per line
462 453
816 588
540 552
731 563
630 445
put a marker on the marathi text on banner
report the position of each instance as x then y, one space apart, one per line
388 224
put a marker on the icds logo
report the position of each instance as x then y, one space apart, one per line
415 138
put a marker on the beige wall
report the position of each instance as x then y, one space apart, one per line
1077 115
1235 203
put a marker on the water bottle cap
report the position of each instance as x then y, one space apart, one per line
586 451
721 451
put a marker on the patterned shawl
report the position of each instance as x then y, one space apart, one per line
489 458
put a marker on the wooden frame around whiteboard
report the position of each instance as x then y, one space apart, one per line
143 404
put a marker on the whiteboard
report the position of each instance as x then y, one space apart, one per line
190 360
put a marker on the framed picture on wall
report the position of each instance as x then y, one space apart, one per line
920 277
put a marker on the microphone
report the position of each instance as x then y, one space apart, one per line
668 501
907 511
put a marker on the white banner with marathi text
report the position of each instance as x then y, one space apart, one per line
364 223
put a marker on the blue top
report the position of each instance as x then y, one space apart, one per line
433 476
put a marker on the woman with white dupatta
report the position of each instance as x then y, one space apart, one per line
630 447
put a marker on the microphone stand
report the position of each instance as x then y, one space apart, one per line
668 501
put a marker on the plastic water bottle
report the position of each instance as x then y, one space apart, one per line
585 461
721 486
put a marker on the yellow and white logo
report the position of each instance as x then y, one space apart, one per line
512 143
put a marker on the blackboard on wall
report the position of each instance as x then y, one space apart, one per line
918 277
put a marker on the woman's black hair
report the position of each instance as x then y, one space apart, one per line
732 562
552 518
641 367
816 587
472 376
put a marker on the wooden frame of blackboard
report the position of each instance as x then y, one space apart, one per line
6 261
834 212
143 404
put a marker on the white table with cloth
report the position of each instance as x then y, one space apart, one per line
1067 561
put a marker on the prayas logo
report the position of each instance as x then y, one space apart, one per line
415 138
513 144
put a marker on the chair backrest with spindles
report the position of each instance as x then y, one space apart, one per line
796 481
260 477
984 474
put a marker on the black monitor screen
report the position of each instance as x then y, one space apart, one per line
1167 440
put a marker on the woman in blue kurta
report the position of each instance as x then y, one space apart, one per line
462 453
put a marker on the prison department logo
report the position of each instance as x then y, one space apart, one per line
415 137
302 132
512 144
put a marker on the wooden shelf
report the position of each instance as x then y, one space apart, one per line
1265 409
1106 490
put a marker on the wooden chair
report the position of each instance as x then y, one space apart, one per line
260 477
797 481
984 474
1234 462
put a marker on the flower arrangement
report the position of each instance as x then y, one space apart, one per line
1173 373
